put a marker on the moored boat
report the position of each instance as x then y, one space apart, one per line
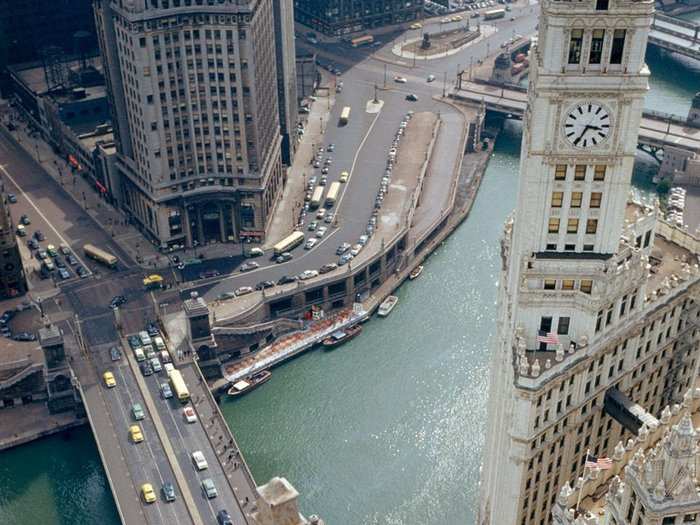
416 272
243 386
387 306
339 337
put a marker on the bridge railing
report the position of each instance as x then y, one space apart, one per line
675 21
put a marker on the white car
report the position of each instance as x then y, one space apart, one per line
243 290
307 274
310 243
199 460
356 249
431 78
400 80
321 231
189 415
320 214
362 240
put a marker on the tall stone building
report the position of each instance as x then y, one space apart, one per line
12 279
596 309
193 88
342 17
286 76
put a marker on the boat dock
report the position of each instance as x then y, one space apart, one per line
292 345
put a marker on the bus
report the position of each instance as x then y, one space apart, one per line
179 386
289 243
316 198
362 41
345 115
332 195
100 256
494 13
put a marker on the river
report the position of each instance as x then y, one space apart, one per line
386 430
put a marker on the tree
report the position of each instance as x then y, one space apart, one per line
663 187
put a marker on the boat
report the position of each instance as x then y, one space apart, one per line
339 337
243 386
416 272
387 306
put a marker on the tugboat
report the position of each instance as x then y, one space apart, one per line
339 337
416 272
243 386
387 306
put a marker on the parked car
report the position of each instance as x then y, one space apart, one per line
327 268
284 257
342 248
134 341
345 259
308 274
249 266
311 243
24 336
255 252
262 285
39 236
21 231
329 218
344 176
155 364
286 279
243 290
117 301
82 272
32 244
63 274
42 255
64 249
146 368
11 198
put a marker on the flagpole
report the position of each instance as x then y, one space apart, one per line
580 490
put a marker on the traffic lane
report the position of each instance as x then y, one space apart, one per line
61 211
182 449
149 455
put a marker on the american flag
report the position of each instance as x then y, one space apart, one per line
550 338
595 462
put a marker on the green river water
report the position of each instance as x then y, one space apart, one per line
385 430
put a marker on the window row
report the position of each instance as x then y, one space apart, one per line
597 41
576 199
584 285
572 225
561 170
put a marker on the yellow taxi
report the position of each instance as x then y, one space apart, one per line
344 176
149 496
135 434
457 18
153 281
108 378
417 25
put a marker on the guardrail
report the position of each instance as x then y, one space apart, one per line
676 21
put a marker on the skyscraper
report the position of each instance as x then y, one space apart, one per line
595 303
286 76
194 99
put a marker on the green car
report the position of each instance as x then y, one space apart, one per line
137 412
208 488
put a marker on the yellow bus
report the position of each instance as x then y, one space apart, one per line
179 386
100 256
316 198
345 115
289 243
332 195
362 41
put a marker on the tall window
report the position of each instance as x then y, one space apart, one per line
591 226
575 46
618 46
560 172
567 284
572 226
586 285
596 53
563 326
599 172
601 5
580 172
550 284
576 198
557 199
596 198
553 225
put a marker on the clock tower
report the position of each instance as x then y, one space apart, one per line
585 99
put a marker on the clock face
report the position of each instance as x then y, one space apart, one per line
587 125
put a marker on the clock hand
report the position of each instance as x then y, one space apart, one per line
578 139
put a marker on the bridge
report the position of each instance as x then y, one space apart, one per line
657 130
676 35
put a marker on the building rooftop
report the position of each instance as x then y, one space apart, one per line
33 75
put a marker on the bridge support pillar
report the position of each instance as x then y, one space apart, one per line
277 505
694 112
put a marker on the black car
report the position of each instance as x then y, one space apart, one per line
117 301
11 198
224 518
5 332
152 329
115 354
60 263
283 258
134 341
287 279
264 284
24 219
71 260
168 491
32 244
24 336
39 236
146 368
7 315
411 97
81 271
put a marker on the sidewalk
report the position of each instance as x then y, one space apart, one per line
292 200
111 220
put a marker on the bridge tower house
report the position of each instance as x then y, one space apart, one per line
58 375
573 281
200 336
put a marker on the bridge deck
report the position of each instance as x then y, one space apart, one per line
652 131
675 35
